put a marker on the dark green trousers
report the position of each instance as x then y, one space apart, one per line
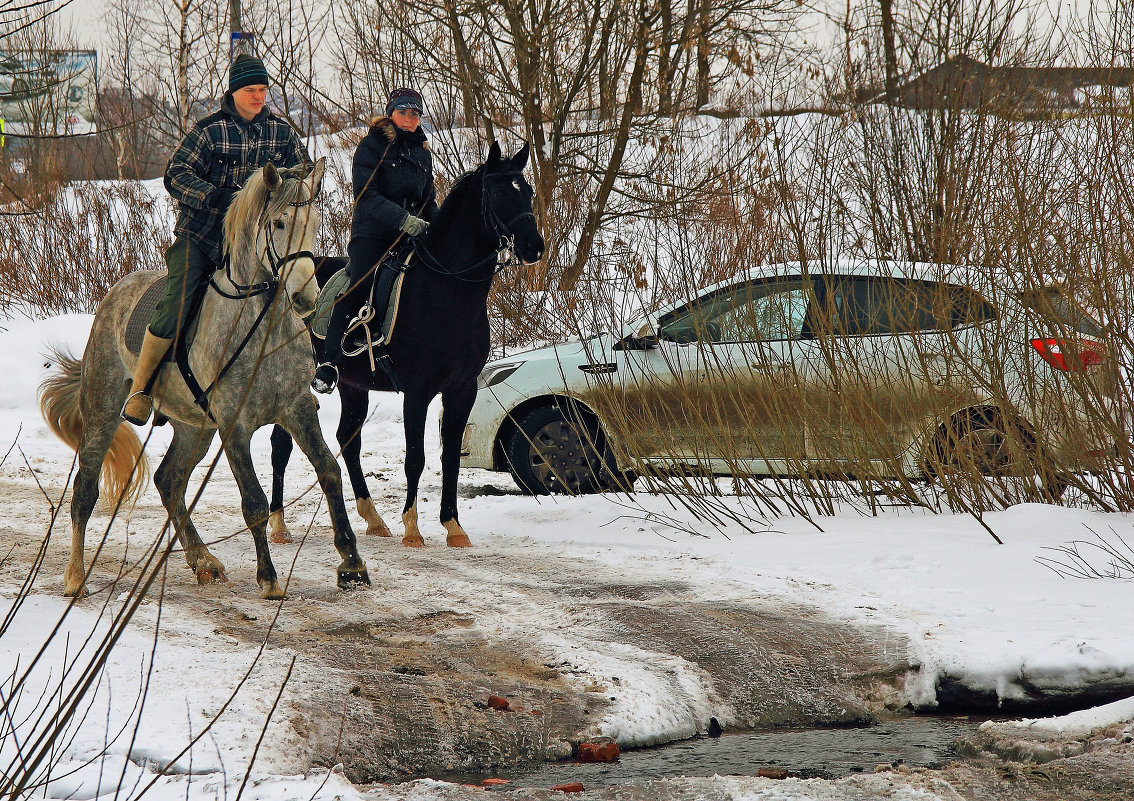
189 272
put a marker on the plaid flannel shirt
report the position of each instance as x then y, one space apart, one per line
221 151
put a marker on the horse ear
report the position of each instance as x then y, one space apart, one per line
271 176
493 155
520 160
317 173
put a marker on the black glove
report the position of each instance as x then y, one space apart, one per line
221 198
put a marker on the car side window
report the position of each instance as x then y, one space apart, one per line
762 311
864 306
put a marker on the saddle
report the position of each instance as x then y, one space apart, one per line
371 328
139 321
143 311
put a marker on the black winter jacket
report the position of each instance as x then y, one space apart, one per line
393 174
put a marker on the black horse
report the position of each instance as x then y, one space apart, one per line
440 343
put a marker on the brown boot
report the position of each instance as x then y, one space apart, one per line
137 407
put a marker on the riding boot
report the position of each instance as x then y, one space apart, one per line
327 373
137 408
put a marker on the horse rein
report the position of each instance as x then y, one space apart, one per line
201 395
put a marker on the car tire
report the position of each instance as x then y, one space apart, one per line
561 449
981 441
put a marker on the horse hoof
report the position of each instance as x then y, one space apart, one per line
208 574
379 531
76 592
272 592
281 537
458 541
353 578
413 541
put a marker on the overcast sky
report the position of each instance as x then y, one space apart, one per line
86 15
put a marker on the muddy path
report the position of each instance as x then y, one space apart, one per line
394 680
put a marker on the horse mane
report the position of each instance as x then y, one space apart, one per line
456 193
248 205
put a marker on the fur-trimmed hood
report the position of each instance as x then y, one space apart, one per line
381 125
384 125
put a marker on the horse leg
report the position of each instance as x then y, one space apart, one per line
456 407
189 446
414 411
254 504
304 426
282 444
355 403
93 445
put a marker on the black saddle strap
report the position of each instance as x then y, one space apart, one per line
201 395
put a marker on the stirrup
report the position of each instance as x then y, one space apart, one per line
354 340
320 384
138 421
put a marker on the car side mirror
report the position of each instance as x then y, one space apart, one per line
633 342
643 339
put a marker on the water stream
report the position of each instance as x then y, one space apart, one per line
807 753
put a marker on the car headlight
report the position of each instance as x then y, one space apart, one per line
493 374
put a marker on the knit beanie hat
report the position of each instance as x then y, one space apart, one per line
404 98
246 71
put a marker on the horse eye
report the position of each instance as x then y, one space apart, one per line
279 225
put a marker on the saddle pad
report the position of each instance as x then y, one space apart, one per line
334 289
143 311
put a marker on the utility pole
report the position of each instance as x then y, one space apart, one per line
239 41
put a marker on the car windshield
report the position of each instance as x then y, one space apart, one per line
1053 304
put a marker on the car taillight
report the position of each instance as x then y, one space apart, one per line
1069 355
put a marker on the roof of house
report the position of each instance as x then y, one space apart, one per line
962 82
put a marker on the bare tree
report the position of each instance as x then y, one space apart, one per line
579 79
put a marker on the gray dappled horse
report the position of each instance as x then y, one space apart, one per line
269 231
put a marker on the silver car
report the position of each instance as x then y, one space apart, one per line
847 370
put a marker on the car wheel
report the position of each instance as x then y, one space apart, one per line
982 443
561 449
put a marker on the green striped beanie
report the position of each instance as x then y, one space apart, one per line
246 71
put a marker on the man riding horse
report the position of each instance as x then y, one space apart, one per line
210 164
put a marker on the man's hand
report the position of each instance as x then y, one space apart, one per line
414 226
221 198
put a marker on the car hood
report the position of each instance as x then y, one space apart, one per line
574 351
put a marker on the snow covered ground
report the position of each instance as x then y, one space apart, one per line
989 616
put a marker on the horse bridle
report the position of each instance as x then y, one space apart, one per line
275 261
505 236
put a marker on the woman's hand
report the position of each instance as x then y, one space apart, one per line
414 226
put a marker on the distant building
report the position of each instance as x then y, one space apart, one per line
963 83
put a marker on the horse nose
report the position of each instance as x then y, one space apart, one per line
302 304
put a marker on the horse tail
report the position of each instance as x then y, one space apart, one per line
125 468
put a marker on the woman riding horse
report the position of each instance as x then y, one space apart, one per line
393 198
440 342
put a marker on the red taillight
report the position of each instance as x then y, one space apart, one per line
1069 355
